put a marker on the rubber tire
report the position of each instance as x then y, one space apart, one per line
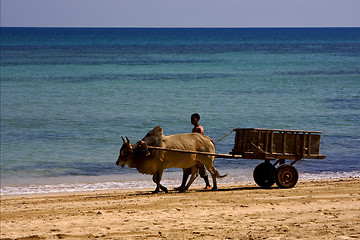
264 174
286 176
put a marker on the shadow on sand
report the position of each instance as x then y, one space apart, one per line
228 189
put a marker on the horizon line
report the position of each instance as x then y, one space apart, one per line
193 27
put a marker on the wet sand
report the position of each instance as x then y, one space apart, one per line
314 209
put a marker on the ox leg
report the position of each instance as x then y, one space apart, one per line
186 173
157 189
194 174
192 179
157 179
213 175
213 172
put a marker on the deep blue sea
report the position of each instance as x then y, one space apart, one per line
69 94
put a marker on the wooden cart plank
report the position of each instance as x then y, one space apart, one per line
279 130
259 143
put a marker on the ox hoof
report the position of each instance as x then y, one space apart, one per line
163 189
157 190
179 188
214 189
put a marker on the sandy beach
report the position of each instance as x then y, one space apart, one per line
314 209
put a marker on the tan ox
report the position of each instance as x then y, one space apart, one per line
154 162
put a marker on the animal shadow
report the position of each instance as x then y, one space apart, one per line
226 189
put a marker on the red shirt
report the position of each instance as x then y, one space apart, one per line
198 129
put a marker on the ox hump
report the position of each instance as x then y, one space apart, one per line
155 134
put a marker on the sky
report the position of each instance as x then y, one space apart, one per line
180 13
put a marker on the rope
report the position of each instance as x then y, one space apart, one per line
258 148
218 140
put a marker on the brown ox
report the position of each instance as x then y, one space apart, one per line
154 162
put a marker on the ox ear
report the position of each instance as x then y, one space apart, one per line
128 140
123 139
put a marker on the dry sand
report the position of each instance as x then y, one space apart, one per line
316 209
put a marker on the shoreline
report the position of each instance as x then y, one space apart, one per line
134 181
196 186
313 209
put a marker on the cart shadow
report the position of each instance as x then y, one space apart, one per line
242 189
238 189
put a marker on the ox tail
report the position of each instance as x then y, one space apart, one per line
217 174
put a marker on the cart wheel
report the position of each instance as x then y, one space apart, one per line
264 174
286 176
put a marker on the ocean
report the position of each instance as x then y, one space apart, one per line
69 94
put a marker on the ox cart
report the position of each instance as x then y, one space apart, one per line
271 145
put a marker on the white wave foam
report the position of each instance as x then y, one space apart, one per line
330 175
68 187
244 177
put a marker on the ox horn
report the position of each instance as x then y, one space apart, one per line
128 140
123 139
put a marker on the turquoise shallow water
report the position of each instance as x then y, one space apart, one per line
68 95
